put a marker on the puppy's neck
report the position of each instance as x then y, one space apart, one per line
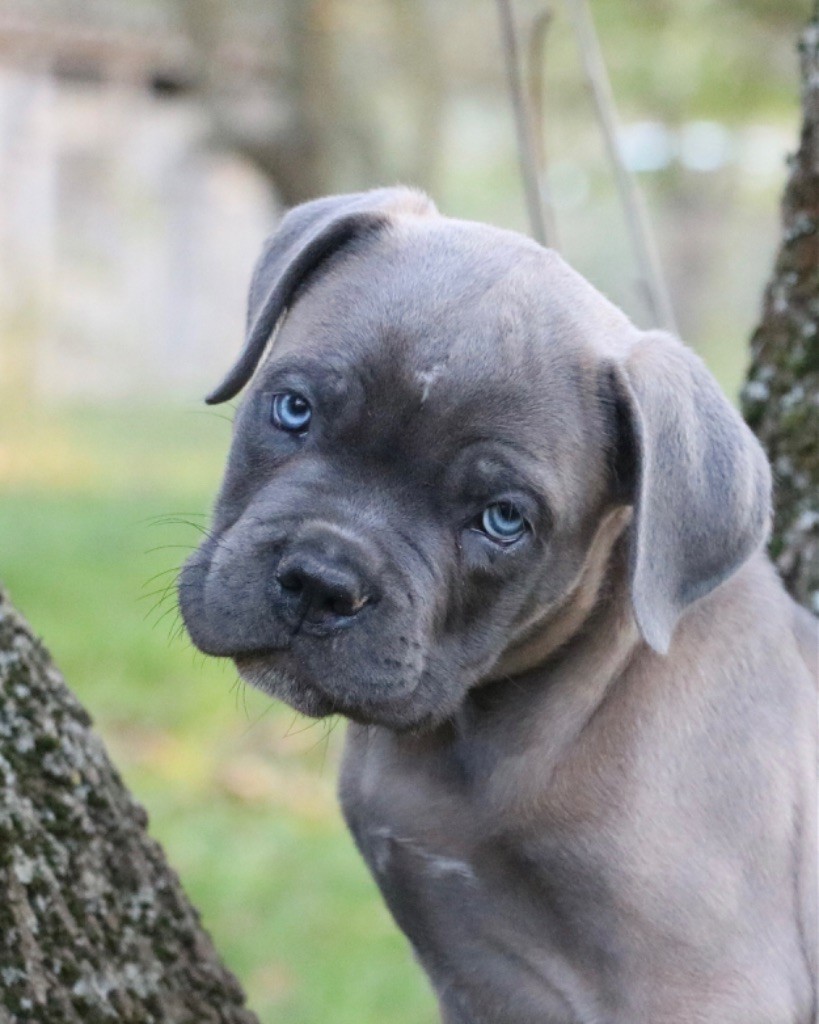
600 585
550 685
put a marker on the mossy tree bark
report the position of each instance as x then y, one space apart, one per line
94 925
781 397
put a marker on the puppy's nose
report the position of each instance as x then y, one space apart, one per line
329 589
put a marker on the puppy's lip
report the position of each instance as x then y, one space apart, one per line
257 654
361 707
320 629
309 700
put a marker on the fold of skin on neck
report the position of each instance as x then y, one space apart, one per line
549 629
553 685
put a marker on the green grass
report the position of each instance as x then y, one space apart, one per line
240 794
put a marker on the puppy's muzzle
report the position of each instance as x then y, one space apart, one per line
323 581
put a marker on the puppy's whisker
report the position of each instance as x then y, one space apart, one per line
164 572
177 521
170 547
332 725
176 512
265 711
239 689
166 591
234 691
170 610
155 607
311 724
176 634
293 721
210 412
327 725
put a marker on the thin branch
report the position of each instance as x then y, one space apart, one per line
636 218
538 37
523 123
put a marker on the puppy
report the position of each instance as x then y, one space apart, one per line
518 543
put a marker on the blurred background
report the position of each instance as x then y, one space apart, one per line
146 149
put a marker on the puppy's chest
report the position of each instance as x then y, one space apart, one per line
460 887
411 815
420 807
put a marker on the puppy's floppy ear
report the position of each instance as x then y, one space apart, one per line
698 479
307 235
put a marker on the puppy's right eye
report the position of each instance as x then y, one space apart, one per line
503 522
291 412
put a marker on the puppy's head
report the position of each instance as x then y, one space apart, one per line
446 414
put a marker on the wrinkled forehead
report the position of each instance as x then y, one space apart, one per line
450 299
456 329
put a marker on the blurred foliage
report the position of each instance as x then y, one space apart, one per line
729 59
344 93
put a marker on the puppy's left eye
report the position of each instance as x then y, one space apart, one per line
503 522
291 412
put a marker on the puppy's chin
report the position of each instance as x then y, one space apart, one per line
264 673
276 673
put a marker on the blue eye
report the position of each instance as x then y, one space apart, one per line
503 522
291 412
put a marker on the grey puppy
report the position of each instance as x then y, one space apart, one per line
518 542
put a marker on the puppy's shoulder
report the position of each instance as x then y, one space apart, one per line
751 622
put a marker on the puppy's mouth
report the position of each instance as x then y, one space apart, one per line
280 674
370 665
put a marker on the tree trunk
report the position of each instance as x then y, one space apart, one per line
781 397
94 925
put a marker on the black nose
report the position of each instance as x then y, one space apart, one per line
329 589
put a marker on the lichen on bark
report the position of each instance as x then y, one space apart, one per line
780 399
94 925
